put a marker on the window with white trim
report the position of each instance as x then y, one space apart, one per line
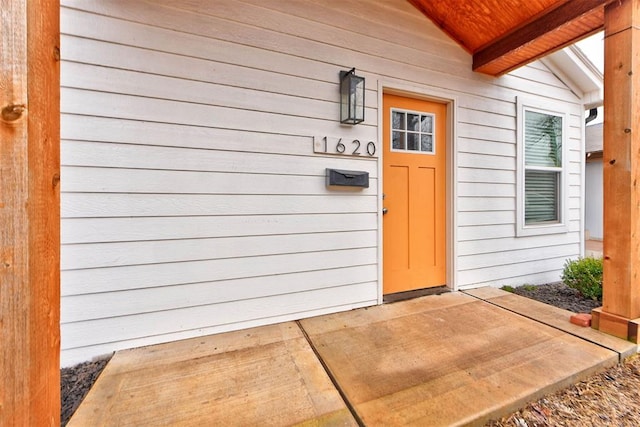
541 186
413 131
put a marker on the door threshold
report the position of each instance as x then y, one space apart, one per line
401 296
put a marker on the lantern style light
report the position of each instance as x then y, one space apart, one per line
351 97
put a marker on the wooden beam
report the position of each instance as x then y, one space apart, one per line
29 213
621 170
534 29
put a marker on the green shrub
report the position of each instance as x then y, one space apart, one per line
508 288
584 275
529 288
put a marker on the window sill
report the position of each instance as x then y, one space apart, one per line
537 230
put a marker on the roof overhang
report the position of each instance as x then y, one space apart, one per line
503 35
572 67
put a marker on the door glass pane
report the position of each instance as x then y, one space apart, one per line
541 191
426 143
413 122
398 140
413 143
426 124
398 120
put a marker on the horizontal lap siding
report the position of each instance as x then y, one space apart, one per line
180 250
192 201
196 294
488 253
167 274
90 230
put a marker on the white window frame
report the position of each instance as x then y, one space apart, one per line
551 108
419 113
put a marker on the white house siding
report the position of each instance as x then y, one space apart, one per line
593 199
192 201
594 196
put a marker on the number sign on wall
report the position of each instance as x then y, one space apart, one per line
344 146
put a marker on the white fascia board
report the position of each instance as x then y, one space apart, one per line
575 70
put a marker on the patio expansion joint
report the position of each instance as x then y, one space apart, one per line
621 355
333 379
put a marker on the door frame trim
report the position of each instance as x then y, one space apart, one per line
390 86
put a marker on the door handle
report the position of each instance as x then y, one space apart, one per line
384 211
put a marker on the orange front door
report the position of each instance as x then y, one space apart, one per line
414 225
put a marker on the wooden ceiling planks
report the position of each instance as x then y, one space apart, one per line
506 34
474 24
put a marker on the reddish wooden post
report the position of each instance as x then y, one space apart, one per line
29 213
620 311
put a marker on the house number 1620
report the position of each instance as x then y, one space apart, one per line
348 147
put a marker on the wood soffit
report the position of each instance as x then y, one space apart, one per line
503 35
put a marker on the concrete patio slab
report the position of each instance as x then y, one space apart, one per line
262 376
446 360
554 317
451 359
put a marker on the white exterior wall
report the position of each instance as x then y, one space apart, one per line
594 197
192 201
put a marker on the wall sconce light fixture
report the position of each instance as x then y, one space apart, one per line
351 97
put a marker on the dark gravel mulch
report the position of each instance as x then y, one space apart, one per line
77 380
75 383
559 295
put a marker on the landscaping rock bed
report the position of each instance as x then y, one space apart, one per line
559 295
75 383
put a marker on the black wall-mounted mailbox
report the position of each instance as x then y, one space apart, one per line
347 178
